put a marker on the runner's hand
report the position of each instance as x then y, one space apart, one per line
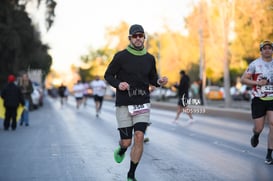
123 86
162 80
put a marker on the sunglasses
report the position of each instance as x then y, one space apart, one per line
140 35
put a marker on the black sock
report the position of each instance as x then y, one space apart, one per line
122 151
256 135
131 173
269 153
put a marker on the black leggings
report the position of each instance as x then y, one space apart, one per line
10 114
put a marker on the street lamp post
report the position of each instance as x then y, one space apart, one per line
202 72
159 65
225 15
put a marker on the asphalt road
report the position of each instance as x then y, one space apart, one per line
66 144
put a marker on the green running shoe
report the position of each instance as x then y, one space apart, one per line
131 179
146 140
118 158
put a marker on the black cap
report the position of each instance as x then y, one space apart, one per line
136 29
182 72
266 42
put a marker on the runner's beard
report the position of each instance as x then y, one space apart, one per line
138 47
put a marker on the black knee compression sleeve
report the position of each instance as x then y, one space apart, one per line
126 133
140 127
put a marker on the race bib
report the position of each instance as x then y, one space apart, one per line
138 109
267 88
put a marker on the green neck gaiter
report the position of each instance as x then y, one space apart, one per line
136 52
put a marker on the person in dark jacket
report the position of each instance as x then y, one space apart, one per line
12 97
131 72
183 96
62 91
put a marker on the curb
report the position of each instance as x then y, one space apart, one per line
239 114
232 113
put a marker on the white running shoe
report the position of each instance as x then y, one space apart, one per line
191 121
188 122
175 122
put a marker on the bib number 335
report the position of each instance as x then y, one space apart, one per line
138 109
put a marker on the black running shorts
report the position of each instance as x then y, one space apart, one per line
259 107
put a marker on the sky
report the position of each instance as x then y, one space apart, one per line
80 25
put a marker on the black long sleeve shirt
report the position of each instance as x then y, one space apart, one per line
139 71
184 85
12 96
